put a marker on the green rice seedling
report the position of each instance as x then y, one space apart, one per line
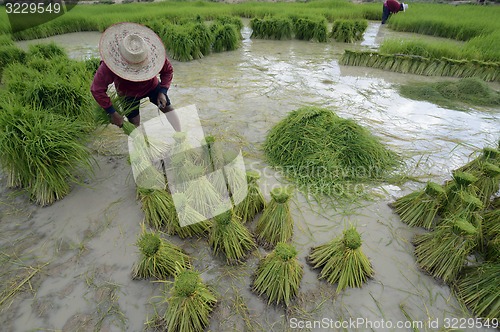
182 152
491 231
276 223
158 258
462 183
46 51
226 37
128 128
324 153
213 153
254 201
278 275
190 303
443 252
42 151
342 261
203 39
419 208
488 154
201 194
158 207
311 29
227 19
348 31
488 182
10 54
230 237
280 28
479 289
186 221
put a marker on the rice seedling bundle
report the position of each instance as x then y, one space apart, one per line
278 275
310 29
179 43
443 252
10 54
488 182
348 31
227 19
187 221
213 153
158 258
276 223
254 202
158 207
342 261
322 152
479 289
41 151
280 28
182 152
190 303
46 51
226 37
488 154
202 38
230 237
462 183
201 194
419 208
491 230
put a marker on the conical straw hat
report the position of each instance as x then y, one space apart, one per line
132 51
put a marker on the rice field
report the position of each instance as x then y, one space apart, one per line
68 265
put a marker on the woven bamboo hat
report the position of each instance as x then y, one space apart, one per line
132 51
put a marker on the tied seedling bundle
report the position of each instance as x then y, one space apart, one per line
443 252
278 275
41 151
348 31
419 208
226 37
326 154
186 221
230 237
462 183
310 29
158 258
479 289
488 154
342 261
254 202
276 223
158 207
201 194
190 303
491 229
488 182
280 28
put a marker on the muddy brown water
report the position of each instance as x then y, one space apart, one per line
88 239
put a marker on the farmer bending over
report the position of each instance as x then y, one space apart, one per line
132 57
392 7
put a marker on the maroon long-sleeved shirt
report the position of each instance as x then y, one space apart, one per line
393 6
104 77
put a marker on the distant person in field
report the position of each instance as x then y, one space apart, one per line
132 56
392 7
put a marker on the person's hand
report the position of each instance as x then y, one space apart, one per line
116 119
162 102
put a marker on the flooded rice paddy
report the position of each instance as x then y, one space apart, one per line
73 259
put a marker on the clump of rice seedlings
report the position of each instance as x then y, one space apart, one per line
310 29
488 154
157 205
158 258
479 289
419 208
42 151
491 230
280 28
230 237
213 153
226 37
186 221
128 127
254 201
321 151
276 223
181 46
462 183
278 275
10 54
201 194
342 261
202 38
488 182
348 31
46 51
190 303
182 151
443 252
234 20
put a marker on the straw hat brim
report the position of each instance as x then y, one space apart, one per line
109 48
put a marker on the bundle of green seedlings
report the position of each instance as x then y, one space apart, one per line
278 275
41 151
276 223
491 230
201 193
462 183
158 258
187 41
411 64
348 31
254 201
9 53
230 237
419 208
443 252
488 154
186 221
479 289
310 29
280 28
488 182
342 261
466 91
326 154
158 207
190 303
227 37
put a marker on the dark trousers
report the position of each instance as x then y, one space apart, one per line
385 14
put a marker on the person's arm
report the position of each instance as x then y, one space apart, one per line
166 75
102 79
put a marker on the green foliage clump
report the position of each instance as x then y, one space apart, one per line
226 37
280 28
348 31
46 51
254 202
278 275
9 53
321 151
310 29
